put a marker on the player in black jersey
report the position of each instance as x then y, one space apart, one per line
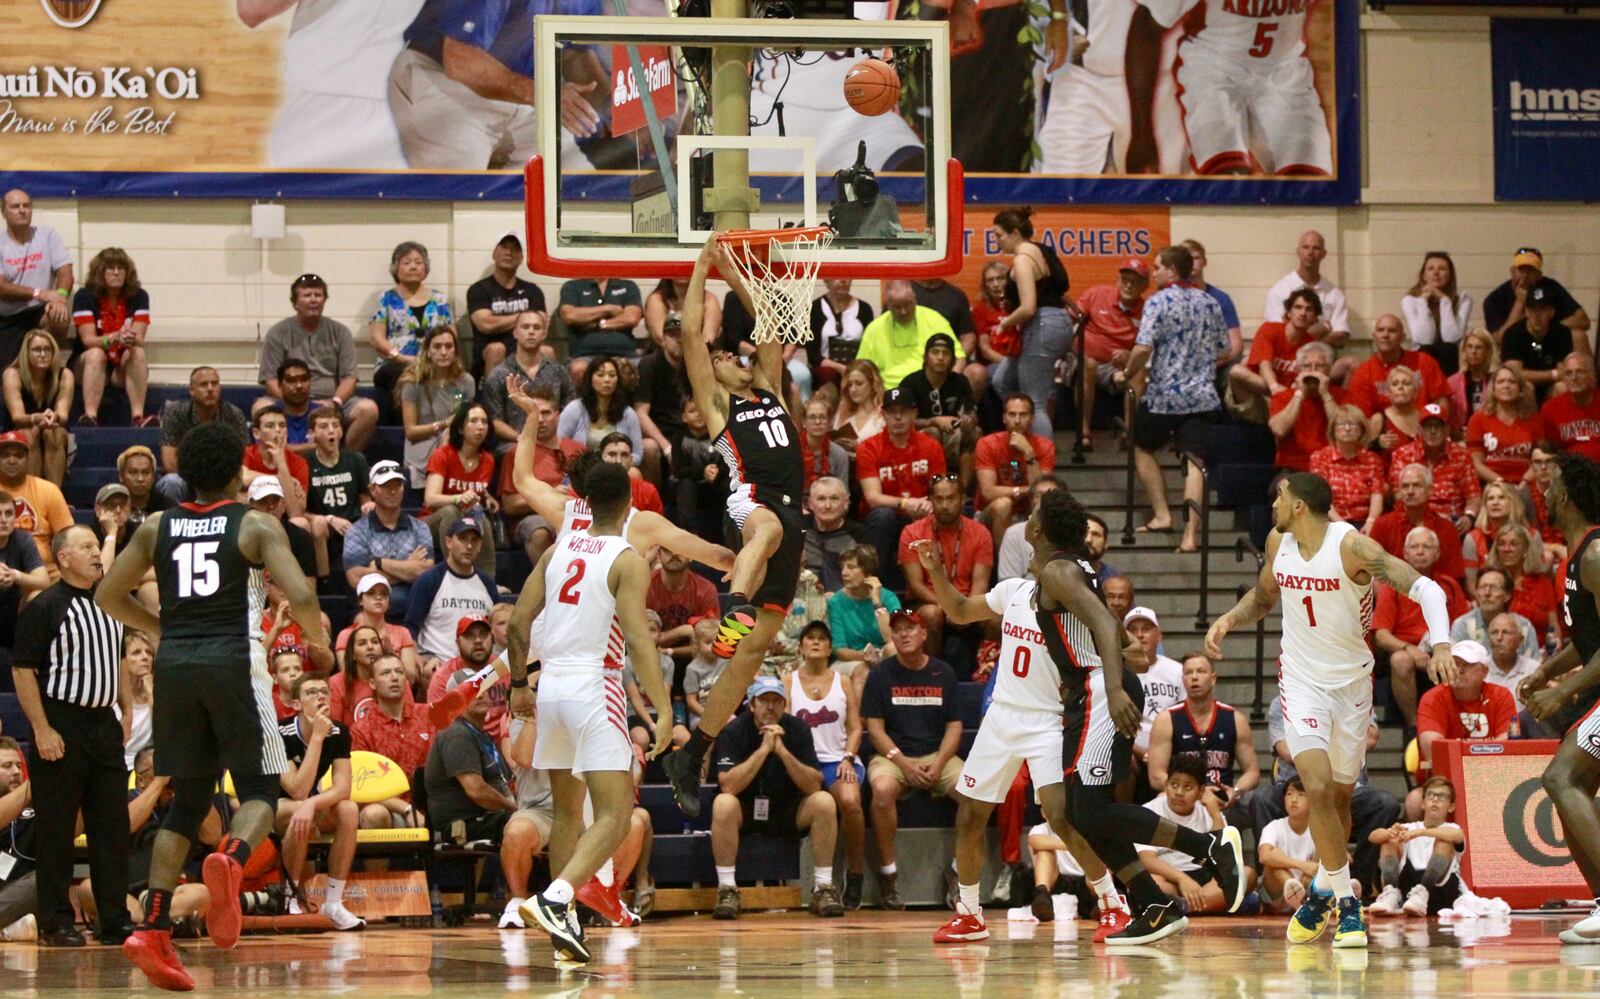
1573 776
1104 704
213 699
756 438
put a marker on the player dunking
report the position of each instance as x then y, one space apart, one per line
594 582
1104 703
1023 725
757 439
213 694
1325 672
1573 776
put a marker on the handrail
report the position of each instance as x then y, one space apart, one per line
1077 433
1202 619
1244 544
1127 500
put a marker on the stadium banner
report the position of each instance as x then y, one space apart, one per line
1239 101
1092 242
375 895
1516 848
1546 109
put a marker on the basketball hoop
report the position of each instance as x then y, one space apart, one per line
779 267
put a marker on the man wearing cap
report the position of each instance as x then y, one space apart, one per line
1162 679
111 520
946 410
179 416
1111 314
266 494
449 592
1009 461
496 301
474 647
1471 708
1457 492
1398 628
1572 419
1536 344
770 783
1504 307
328 349
967 554
136 470
387 540
953 304
41 509
897 467
527 362
895 341
1369 382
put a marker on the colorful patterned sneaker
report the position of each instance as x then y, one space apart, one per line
732 629
1352 929
1312 917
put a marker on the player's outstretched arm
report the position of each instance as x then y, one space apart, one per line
959 608
547 501
1362 554
1253 606
115 594
263 540
651 529
631 578
696 354
1064 586
1545 701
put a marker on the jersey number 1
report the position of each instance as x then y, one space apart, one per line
1311 615
197 568
569 589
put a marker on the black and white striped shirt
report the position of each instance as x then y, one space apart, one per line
74 644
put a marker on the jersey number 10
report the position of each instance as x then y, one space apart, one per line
775 432
198 572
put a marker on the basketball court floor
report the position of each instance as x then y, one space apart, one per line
867 954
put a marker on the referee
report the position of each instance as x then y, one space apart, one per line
67 667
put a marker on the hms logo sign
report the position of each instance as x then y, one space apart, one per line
1546 109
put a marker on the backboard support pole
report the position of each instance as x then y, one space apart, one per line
731 198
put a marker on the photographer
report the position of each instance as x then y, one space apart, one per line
1299 413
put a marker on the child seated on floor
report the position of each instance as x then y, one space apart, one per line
1055 872
1188 802
1287 853
1421 861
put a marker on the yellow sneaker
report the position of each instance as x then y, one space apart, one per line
1311 918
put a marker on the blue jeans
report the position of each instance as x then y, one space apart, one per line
830 773
1044 342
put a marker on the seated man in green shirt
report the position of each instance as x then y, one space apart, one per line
897 339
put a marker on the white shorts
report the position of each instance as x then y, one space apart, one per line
1587 732
582 724
1085 124
835 132
1232 114
1009 737
330 132
1332 720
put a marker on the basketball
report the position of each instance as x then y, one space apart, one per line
872 87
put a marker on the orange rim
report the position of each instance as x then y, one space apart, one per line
756 241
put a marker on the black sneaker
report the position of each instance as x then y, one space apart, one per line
1227 859
727 904
64 936
1156 922
113 936
1043 906
684 773
889 892
852 890
565 935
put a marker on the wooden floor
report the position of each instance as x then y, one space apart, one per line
870 954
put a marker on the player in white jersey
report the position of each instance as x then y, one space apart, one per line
1249 93
1022 725
591 584
335 113
1325 573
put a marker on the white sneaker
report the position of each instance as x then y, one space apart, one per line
1387 903
511 917
26 928
294 907
342 918
1416 901
1589 926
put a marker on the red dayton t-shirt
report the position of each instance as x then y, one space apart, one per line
1507 447
1576 428
1369 383
901 471
446 461
1488 715
1271 343
697 599
298 469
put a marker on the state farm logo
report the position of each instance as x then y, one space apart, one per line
71 13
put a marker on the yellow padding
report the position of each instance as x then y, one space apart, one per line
373 778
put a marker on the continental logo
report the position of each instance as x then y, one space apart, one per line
1531 828
71 13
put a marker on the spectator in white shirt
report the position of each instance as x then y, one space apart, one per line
1335 321
1287 852
1162 679
1508 666
1437 314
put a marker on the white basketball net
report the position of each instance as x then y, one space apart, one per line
780 270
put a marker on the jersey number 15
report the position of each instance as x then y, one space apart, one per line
198 572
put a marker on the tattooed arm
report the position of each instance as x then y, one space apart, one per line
1253 606
1364 556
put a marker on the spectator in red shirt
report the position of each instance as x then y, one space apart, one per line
1399 422
287 665
396 727
550 458
1412 510
1502 507
1111 314
1456 490
994 344
460 481
1299 417
1271 364
1471 708
1500 436
1397 624
645 494
1533 493
1353 471
1009 461
965 549
1533 595
1572 419
1369 383
681 597
896 468
474 649
270 455
372 608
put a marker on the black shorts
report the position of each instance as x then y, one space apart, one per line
1091 745
13 328
214 713
1154 431
1439 896
782 819
778 586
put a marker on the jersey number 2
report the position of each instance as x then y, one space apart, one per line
1263 43
197 568
569 589
1311 615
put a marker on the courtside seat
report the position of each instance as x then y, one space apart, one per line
665 817
680 859
970 699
